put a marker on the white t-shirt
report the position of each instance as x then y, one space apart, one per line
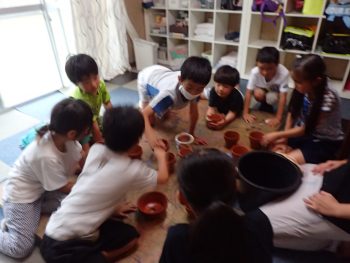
158 85
105 180
279 83
41 167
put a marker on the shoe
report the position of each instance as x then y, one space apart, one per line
266 107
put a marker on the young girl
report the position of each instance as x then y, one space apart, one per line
313 126
218 233
39 177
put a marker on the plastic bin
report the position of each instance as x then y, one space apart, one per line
145 53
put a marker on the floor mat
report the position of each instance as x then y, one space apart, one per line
124 96
10 148
41 108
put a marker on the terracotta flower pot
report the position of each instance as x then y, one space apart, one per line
184 150
152 203
238 151
231 138
255 138
212 119
171 160
135 152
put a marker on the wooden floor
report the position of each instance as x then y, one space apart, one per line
153 232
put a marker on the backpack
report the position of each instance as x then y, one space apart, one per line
270 6
339 10
336 43
231 4
298 5
312 7
297 38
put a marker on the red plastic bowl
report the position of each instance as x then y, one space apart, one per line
152 203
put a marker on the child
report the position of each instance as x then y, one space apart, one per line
218 233
38 180
313 126
225 98
268 83
82 228
82 70
161 89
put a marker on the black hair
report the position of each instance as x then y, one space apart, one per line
206 179
122 127
197 69
227 75
79 66
69 114
309 67
268 55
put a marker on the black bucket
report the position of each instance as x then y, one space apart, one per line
265 176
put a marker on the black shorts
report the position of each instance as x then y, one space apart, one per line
315 150
113 235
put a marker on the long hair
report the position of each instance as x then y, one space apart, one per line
310 68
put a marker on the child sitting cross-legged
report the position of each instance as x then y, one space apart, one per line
83 228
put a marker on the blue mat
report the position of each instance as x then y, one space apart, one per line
10 148
41 108
124 96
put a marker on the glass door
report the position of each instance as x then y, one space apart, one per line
30 63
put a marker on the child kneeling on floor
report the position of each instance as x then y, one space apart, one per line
83 228
39 179
225 97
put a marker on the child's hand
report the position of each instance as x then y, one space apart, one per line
323 203
268 138
218 125
273 122
199 141
159 152
249 118
123 210
328 166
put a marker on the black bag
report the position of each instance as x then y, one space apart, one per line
297 38
336 43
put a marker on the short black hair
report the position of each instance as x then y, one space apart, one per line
79 66
70 114
122 127
227 75
268 55
197 69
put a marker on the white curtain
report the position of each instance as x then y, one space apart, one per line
100 31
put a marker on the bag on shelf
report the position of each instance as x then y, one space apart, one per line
270 6
339 10
313 7
297 38
337 44
231 4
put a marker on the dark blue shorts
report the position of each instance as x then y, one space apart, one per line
315 150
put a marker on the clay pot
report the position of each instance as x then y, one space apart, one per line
152 204
171 160
184 150
255 138
238 151
183 139
135 152
212 119
231 138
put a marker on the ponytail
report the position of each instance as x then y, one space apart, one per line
218 235
42 130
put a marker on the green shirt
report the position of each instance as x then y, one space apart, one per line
95 101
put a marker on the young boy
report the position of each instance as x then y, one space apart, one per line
225 98
161 89
268 83
82 70
82 229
